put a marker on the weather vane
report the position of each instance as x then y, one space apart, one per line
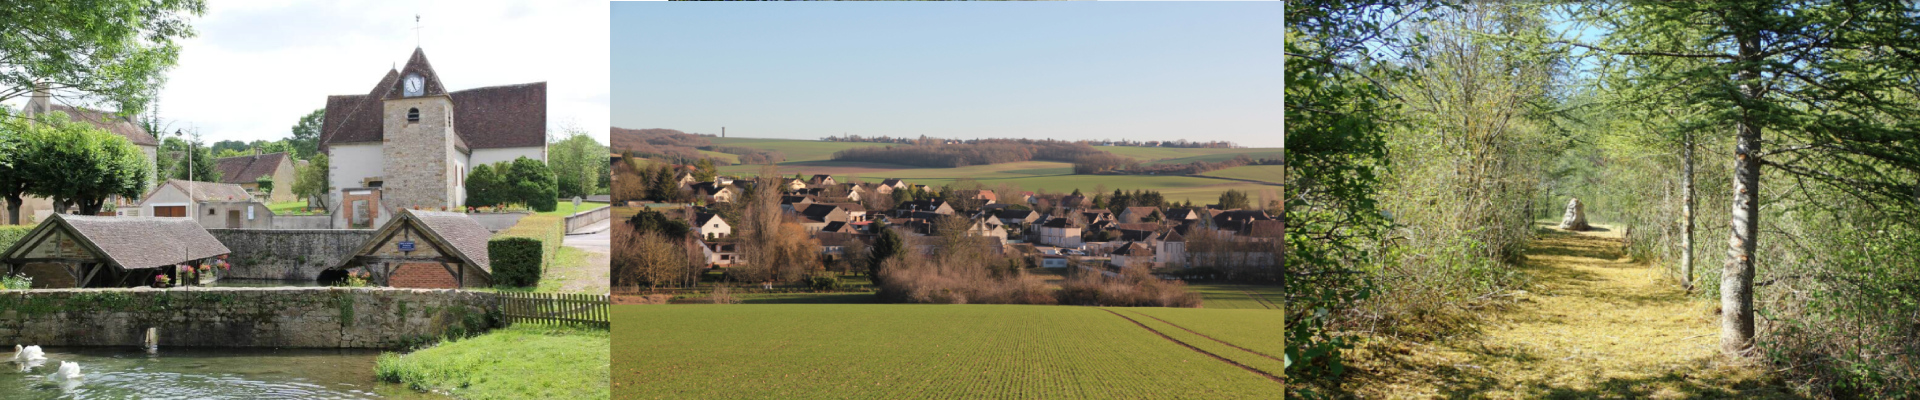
416 30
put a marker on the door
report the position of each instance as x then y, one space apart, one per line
233 219
170 211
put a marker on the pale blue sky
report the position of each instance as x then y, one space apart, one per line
1062 70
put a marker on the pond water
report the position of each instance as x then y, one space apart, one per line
194 373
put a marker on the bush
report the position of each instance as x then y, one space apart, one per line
13 233
516 261
824 282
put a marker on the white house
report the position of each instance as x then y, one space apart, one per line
213 205
1060 232
711 226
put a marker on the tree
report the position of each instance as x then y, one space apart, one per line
172 160
483 185
1825 83
265 183
886 245
662 187
306 135
228 148
528 181
705 170
1234 200
77 164
13 185
774 248
114 51
575 158
311 183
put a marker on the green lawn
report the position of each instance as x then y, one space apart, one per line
289 207
511 363
1263 173
929 351
566 208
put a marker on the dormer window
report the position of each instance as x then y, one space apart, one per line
413 115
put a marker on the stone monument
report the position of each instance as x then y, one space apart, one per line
1576 217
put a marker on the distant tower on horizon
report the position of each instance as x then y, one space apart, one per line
723 131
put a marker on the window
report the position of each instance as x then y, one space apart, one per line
413 115
210 211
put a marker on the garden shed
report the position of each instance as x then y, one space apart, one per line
426 249
93 251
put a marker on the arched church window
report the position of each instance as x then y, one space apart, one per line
413 115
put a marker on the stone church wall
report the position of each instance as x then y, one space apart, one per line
416 153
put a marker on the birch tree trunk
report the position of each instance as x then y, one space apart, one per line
1736 280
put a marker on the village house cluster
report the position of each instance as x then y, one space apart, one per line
1052 230
400 153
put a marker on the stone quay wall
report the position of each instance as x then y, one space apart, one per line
316 317
288 254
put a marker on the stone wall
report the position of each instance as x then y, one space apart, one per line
587 218
242 317
288 254
303 222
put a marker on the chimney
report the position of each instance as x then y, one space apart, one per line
40 103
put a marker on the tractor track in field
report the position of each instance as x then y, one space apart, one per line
1163 335
1210 337
1257 298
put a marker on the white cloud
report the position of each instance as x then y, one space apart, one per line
258 66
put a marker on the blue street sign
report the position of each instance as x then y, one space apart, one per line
406 245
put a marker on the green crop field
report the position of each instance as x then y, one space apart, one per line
1232 296
1263 173
942 351
810 157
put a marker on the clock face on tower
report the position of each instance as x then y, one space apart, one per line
414 85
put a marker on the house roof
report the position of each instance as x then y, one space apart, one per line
1016 214
708 188
1134 249
1181 213
247 169
111 123
1060 223
701 219
202 191
892 182
1141 226
850 207
821 178
460 236
835 226
129 242
484 118
819 212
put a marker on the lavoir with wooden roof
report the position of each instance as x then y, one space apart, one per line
425 249
69 251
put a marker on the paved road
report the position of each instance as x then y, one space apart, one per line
592 276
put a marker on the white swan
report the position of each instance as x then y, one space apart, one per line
69 371
29 353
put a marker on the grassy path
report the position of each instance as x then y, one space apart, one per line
1595 325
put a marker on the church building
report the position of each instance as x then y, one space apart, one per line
409 142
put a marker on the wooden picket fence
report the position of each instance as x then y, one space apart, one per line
555 309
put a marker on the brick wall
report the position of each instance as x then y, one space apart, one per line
426 275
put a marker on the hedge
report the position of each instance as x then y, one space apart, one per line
13 233
516 261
